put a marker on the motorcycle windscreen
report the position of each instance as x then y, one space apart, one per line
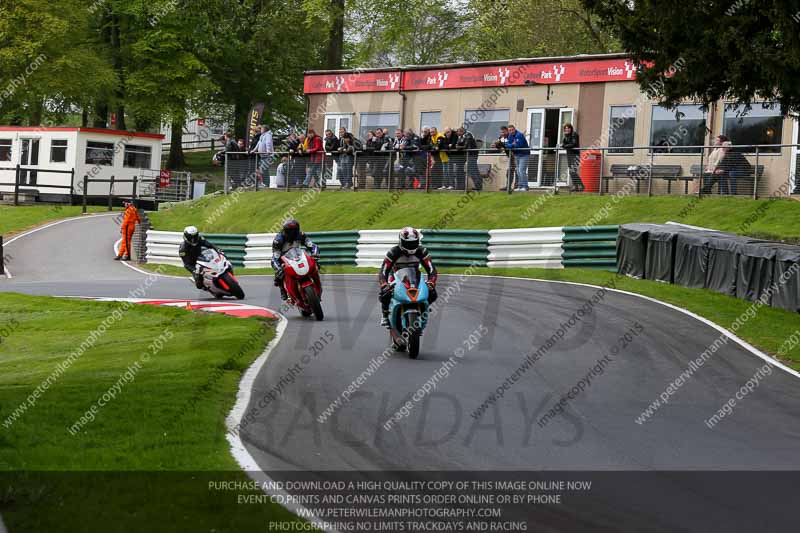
408 274
294 254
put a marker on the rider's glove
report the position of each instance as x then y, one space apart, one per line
386 288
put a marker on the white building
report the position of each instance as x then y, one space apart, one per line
199 133
75 153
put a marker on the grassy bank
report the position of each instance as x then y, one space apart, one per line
17 219
144 462
767 330
255 212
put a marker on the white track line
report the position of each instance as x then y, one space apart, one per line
234 419
48 225
744 344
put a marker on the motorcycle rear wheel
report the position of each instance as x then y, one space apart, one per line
233 286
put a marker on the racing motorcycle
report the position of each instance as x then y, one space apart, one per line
407 310
217 273
301 280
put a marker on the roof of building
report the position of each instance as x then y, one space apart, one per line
119 133
495 62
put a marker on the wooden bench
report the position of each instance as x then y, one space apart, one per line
758 170
642 173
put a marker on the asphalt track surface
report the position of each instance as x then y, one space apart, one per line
666 474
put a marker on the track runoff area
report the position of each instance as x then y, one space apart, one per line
530 407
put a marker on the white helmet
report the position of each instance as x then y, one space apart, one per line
191 235
409 239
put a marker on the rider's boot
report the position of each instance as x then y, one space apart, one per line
284 294
385 319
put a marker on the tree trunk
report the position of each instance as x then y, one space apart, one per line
84 117
116 47
100 119
176 159
241 110
335 50
36 112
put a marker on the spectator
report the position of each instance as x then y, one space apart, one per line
456 161
517 144
347 152
447 147
571 143
440 159
297 169
467 142
315 151
408 145
282 174
377 162
230 144
331 147
710 175
397 143
265 153
732 166
365 160
238 165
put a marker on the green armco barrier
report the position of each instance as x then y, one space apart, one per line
455 236
460 262
601 263
336 247
591 247
232 245
589 254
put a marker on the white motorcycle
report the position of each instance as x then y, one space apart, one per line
217 273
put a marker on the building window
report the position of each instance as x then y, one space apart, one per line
760 125
673 129
621 126
484 124
58 151
101 154
430 119
371 121
137 156
5 149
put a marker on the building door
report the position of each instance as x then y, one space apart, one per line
565 115
333 123
535 140
29 156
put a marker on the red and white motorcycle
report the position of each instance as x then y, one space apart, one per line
217 273
302 283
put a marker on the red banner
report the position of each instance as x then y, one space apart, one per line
352 82
164 178
468 77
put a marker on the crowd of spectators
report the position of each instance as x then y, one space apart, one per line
434 160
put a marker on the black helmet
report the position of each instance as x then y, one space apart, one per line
291 230
409 239
191 235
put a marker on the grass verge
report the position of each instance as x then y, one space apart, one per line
767 330
256 212
20 218
145 461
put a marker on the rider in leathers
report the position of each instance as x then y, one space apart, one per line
189 252
407 253
289 237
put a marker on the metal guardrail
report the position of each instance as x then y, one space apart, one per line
753 170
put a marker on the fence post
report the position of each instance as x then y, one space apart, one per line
510 173
755 179
650 174
256 169
391 168
189 186
700 188
135 187
71 184
85 188
16 186
111 193
226 187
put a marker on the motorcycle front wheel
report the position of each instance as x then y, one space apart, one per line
313 301
233 286
413 334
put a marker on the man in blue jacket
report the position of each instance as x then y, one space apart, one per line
517 145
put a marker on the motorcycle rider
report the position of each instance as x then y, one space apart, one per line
289 237
193 244
407 253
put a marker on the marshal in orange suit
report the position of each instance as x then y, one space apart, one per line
129 220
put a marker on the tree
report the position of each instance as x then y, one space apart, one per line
707 51
48 65
535 28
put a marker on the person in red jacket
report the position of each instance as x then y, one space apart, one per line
315 151
129 220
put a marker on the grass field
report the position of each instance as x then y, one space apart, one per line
255 212
767 330
144 462
16 219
